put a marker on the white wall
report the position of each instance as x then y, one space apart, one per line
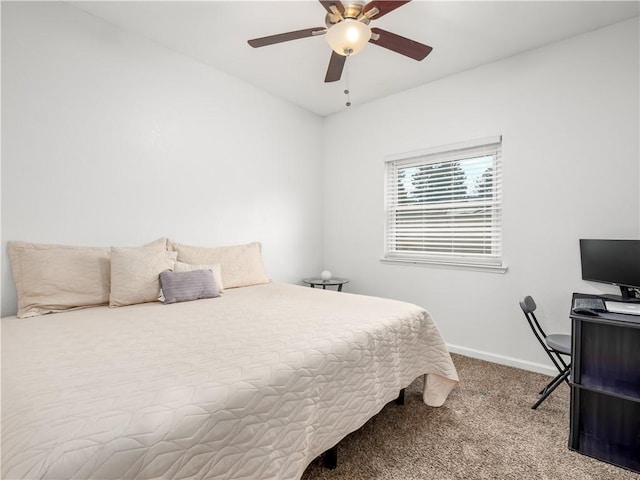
569 116
109 139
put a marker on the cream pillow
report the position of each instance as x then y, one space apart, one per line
56 278
241 265
135 273
215 269
161 244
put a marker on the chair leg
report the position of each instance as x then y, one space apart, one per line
552 387
566 367
541 392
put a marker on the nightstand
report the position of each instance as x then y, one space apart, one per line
332 282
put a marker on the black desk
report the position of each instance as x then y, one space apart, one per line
605 387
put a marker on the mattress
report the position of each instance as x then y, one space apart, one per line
252 385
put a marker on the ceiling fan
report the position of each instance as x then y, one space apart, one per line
347 31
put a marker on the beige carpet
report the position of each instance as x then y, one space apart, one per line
485 430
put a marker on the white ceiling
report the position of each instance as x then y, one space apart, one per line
463 35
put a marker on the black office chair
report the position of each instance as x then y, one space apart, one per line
555 345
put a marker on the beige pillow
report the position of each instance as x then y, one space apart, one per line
241 265
56 278
215 269
135 274
161 244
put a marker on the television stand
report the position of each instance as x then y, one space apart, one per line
629 294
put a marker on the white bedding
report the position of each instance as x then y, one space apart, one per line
254 384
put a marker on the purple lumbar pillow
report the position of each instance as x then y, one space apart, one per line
187 286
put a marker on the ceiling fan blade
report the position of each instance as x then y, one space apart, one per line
336 64
327 5
285 37
383 6
401 45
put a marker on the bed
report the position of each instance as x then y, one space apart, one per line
253 384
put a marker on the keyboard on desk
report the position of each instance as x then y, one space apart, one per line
595 304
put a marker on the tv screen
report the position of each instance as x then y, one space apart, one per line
615 262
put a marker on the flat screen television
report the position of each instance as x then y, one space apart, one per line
616 262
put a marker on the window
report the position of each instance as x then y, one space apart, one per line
443 206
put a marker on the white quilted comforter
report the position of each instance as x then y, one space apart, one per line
254 384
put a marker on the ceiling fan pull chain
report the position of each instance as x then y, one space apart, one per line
346 77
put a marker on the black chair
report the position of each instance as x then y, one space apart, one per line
555 345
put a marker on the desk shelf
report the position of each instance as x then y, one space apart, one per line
607 427
605 388
610 358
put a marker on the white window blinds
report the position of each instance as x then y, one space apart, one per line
444 206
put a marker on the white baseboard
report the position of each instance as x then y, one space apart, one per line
502 360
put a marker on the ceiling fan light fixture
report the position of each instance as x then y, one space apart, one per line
348 37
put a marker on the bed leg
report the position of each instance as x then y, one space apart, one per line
400 399
330 458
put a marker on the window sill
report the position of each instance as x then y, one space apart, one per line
451 266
